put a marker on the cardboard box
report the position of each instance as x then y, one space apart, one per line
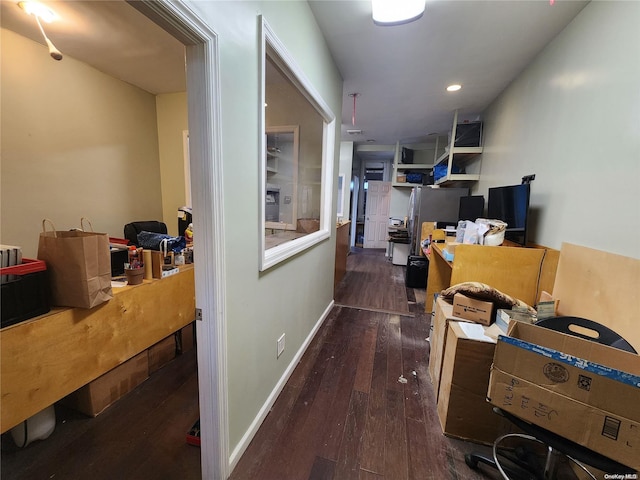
438 338
471 309
161 353
462 406
580 389
95 397
186 338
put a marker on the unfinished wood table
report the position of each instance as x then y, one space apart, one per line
50 356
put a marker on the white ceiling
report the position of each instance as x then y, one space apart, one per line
111 36
400 73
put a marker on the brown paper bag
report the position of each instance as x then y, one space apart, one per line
78 264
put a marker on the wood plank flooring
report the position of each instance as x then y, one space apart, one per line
344 414
142 436
373 282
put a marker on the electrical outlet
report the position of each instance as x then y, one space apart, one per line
280 345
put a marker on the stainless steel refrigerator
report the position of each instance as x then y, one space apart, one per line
427 204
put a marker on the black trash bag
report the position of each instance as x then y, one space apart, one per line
153 241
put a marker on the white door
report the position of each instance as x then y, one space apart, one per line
377 215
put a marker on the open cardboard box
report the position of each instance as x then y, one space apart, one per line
577 388
462 406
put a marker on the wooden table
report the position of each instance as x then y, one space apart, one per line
48 357
342 251
520 272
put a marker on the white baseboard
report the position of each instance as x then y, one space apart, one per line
271 399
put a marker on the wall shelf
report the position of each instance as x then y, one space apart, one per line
459 159
425 156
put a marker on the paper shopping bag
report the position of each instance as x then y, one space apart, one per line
79 266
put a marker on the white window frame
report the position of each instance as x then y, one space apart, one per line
279 54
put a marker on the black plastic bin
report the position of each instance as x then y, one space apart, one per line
417 271
25 292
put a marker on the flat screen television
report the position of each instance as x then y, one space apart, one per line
511 205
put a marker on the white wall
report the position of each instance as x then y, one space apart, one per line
75 142
291 297
571 118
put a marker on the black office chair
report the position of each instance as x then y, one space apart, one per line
131 230
523 463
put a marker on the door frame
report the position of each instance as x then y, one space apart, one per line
207 187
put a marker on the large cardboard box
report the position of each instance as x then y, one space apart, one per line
438 338
186 338
162 353
580 389
462 406
95 397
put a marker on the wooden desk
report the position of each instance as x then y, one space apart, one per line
520 272
48 357
439 274
342 252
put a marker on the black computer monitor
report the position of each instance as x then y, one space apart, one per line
471 207
511 205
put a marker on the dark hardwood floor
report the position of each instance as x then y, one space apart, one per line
345 414
141 436
342 415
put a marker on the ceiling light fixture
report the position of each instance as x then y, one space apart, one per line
454 88
42 12
396 12
38 10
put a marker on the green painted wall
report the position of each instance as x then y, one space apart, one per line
291 297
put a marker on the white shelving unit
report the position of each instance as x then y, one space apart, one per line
272 161
425 154
466 158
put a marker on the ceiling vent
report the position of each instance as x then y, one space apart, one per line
354 132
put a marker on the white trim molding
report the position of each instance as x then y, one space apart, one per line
203 86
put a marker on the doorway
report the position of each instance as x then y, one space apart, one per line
208 214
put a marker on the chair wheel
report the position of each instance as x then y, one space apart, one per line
521 453
471 461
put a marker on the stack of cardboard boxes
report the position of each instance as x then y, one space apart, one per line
93 398
575 387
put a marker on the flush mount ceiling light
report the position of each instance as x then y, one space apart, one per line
454 88
396 12
42 12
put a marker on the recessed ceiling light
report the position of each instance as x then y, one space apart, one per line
454 88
